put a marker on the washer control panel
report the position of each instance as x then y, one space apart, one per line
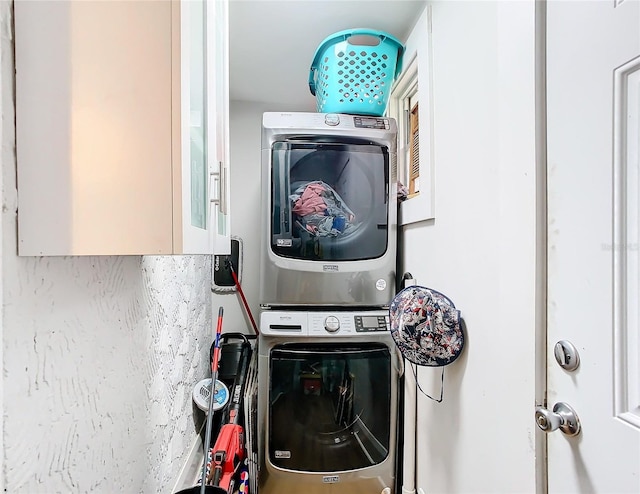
323 323
332 324
371 123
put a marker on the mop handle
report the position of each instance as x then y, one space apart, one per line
244 300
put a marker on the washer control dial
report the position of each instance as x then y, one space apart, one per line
332 324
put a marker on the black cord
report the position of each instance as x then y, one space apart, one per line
415 375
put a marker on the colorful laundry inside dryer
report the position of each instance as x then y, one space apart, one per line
320 210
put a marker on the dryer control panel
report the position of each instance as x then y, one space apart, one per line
323 323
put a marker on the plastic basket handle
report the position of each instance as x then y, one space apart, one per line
343 36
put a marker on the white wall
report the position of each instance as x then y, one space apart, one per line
480 250
6 64
100 355
246 206
245 119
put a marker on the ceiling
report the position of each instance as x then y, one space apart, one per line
272 42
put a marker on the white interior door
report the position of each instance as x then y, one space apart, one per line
593 109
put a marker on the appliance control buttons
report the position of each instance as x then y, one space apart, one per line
331 119
332 324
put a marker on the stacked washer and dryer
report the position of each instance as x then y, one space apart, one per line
328 368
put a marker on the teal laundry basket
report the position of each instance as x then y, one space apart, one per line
353 72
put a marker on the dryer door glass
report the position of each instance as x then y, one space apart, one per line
329 406
329 199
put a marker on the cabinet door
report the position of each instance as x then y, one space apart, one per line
93 127
202 224
218 44
121 126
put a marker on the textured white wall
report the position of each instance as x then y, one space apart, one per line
100 355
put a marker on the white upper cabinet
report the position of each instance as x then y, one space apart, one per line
122 127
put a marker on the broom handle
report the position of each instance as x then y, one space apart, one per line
214 378
216 347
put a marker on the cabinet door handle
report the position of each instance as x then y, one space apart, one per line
214 189
219 186
223 188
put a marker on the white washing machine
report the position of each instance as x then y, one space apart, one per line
327 402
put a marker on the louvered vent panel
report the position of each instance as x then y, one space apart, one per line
414 174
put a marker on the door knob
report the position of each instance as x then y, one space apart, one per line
562 417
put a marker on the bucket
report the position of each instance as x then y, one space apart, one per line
353 72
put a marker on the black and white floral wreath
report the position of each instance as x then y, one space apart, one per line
427 328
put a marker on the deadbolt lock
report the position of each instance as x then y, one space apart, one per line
566 355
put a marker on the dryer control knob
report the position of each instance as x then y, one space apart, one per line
332 324
331 119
